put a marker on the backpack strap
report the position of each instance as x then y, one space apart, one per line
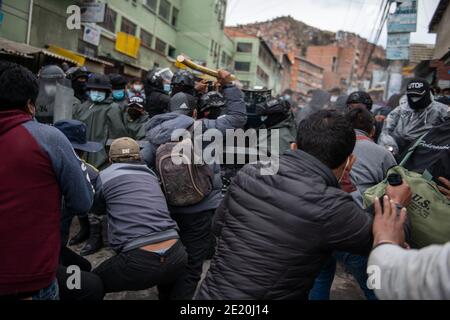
412 149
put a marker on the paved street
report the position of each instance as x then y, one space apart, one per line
344 286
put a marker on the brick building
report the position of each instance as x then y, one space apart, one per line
306 76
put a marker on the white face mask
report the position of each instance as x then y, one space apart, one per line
137 87
50 90
334 98
345 170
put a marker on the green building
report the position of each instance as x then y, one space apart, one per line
201 33
166 28
254 62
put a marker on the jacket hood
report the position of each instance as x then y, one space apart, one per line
160 128
11 119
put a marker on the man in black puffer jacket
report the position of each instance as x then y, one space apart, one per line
276 231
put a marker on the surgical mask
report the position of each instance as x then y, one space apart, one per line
118 95
334 98
97 96
287 97
167 88
137 88
345 170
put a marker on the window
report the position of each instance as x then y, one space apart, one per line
244 47
152 4
334 66
110 20
128 26
242 66
146 38
175 12
87 49
164 9
211 49
160 46
262 75
172 52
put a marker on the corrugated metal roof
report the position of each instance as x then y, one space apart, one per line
24 50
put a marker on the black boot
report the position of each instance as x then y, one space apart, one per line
95 242
83 234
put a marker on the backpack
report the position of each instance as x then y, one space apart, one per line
187 183
429 211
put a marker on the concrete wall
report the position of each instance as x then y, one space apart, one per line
15 20
49 25
443 35
200 26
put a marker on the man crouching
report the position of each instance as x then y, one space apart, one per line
140 229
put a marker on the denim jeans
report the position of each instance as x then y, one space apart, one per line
356 265
49 293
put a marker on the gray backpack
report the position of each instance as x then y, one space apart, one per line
184 184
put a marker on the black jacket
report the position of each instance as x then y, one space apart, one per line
276 231
157 103
433 154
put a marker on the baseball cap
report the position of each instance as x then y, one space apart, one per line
417 88
136 101
183 103
124 148
76 132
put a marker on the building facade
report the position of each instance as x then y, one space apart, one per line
440 25
160 30
306 76
254 63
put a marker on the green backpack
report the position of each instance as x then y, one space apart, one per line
429 211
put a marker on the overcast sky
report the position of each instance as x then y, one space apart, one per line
357 16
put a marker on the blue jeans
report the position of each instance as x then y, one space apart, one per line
49 293
356 265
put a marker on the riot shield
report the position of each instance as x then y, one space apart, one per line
46 100
63 106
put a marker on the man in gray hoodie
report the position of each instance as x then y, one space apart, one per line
194 221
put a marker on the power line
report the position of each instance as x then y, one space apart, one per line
380 30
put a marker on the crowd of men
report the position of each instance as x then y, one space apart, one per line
269 236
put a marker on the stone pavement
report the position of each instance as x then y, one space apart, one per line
344 286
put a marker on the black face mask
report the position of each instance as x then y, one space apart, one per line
80 88
135 113
421 104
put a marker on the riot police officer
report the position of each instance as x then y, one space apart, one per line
157 89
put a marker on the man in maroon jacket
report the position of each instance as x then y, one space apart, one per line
39 169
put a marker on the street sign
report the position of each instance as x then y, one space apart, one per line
92 34
405 17
398 46
93 12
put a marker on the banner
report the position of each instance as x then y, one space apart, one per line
128 44
93 12
405 17
398 46
92 34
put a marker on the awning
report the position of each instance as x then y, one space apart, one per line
78 57
27 51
